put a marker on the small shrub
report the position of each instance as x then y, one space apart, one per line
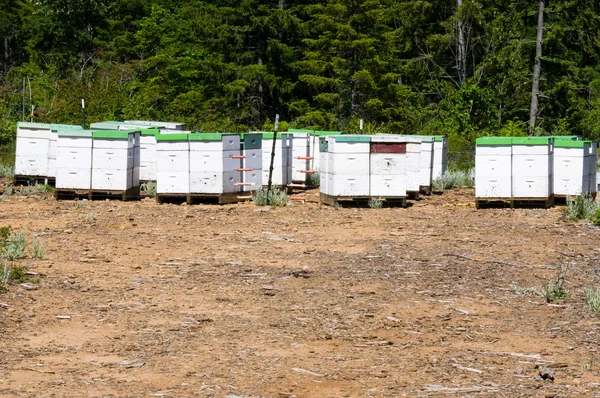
91 217
527 291
275 197
314 180
375 204
590 364
555 291
39 248
593 299
337 206
452 179
79 204
14 248
6 171
18 274
582 207
4 274
9 190
149 188
5 233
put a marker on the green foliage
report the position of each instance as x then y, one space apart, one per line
593 299
275 197
14 247
149 188
555 291
39 248
526 291
582 207
314 180
6 171
452 179
375 204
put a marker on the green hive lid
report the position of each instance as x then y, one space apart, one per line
75 133
326 133
206 136
56 127
172 137
269 136
571 144
566 138
152 131
111 134
495 141
531 140
439 138
300 131
352 138
34 125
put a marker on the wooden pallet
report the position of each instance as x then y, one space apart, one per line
425 189
412 195
482 203
197 198
398 201
97 194
32 180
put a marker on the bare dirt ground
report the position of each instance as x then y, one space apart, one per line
305 300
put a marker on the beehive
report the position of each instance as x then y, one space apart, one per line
173 164
572 168
532 167
282 162
215 163
252 161
74 159
388 166
314 151
440 155
115 160
348 165
53 149
148 154
493 167
32 149
300 155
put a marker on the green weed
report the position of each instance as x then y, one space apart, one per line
14 247
149 188
39 248
275 197
91 217
555 291
375 204
527 291
582 207
593 299
314 179
452 179
6 171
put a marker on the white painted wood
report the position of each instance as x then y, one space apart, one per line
349 185
493 165
531 165
493 186
215 182
388 185
214 161
388 164
532 187
348 147
172 182
349 163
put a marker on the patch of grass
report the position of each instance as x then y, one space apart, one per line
6 171
452 179
9 190
592 297
337 206
5 233
314 179
555 291
149 188
526 291
91 217
590 364
39 248
12 274
582 207
80 203
375 204
275 197
28 190
14 248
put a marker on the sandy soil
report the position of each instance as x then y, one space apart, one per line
301 301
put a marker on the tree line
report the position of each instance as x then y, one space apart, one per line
462 68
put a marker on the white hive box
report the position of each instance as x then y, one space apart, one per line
493 167
532 167
32 151
252 169
440 155
282 162
148 154
348 165
173 164
53 145
315 148
180 127
323 165
215 163
115 160
592 161
426 157
300 155
388 164
572 168
413 166
74 160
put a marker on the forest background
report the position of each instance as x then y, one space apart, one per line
453 67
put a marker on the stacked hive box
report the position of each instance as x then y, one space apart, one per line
116 162
168 126
413 165
215 163
282 162
74 160
440 156
348 166
53 145
314 148
32 152
173 164
532 167
388 162
493 167
592 160
252 162
148 154
574 168
300 155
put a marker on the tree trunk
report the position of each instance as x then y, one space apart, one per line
537 70
462 50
